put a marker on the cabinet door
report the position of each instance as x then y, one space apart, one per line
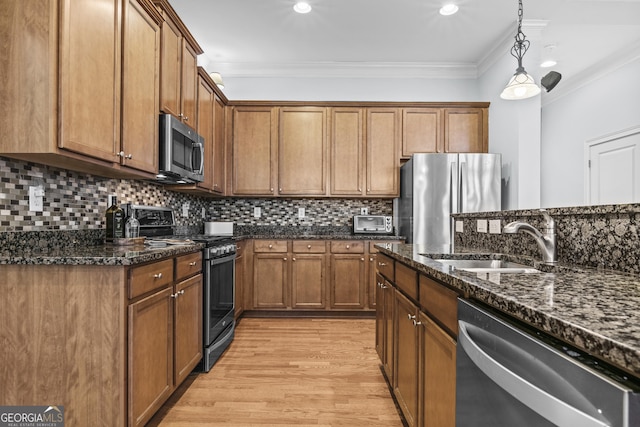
140 68
347 159
270 281
302 151
383 163
189 83
421 131
188 326
90 77
254 150
240 278
380 317
205 122
406 358
389 332
308 281
347 283
437 375
464 130
150 355
170 68
219 161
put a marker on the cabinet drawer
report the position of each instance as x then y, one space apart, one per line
309 246
407 280
270 246
440 302
347 247
149 277
385 266
188 265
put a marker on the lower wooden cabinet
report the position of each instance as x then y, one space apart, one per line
188 327
407 353
308 281
437 375
271 281
240 278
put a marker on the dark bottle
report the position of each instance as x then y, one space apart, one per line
115 220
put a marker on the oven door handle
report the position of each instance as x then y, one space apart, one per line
222 260
536 399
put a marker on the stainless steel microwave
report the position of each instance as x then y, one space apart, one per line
372 224
181 152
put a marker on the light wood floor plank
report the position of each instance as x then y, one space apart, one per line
289 372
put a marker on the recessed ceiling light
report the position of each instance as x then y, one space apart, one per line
548 63
302 7
448 9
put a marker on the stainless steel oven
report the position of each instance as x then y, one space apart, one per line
510 375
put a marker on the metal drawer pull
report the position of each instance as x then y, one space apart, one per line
348 246
270 246
157 276
411 316
415 323
192 264
382 264
308 246
177 294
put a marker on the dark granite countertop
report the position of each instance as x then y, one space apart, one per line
303 236
594 310
96 254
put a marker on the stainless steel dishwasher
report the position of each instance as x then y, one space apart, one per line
509 375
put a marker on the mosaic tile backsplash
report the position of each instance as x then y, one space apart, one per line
75 201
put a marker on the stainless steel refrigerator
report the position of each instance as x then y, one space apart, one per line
433 186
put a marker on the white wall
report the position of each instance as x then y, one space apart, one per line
351 89
604 106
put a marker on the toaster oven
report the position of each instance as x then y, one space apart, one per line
372 224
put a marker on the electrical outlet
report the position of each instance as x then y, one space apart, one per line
495 226
257 212
204 213
481 226
36 199
185 209
364 211
459 227
301 213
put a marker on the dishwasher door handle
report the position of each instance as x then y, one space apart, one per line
538 400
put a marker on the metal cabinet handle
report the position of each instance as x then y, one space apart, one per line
293 259
186 119
370 259
348 246
308 246
382 264
177 294
192 264
285 258
270 246
411 316
415 323
126 156
157 276
362 259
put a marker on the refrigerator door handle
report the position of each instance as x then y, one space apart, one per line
462 188
453 185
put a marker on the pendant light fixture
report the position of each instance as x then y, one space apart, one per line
521 85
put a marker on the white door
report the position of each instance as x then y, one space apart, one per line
613 169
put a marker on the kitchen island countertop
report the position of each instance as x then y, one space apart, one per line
594 310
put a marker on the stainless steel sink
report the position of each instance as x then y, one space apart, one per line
487 265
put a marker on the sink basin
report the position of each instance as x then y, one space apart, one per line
487 265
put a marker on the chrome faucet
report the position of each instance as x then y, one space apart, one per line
545 240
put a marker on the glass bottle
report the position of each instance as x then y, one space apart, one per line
115 219
132 226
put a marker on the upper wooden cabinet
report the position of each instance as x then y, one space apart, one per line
444 130
78 84
205 127
302 151
219 153
178 67
383 160
346 141
254 150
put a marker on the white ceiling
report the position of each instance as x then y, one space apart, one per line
397 38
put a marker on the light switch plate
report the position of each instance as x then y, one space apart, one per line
481 226
459 227
36 196
301 213
364 211
495 226
257 212
185 209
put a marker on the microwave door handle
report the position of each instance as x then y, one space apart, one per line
200 148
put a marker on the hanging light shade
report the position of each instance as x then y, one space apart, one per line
217 79
521 85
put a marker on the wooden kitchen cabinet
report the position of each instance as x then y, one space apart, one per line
346 141
302 151
386 268
382 151
188 326
240 278
437 375
84 102
466 130
421 131
347 282
254 151
219 144
205 121
406 358
270 274
308 275
178 67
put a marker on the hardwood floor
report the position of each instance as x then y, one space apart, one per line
285 372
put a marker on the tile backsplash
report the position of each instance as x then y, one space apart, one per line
74 201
